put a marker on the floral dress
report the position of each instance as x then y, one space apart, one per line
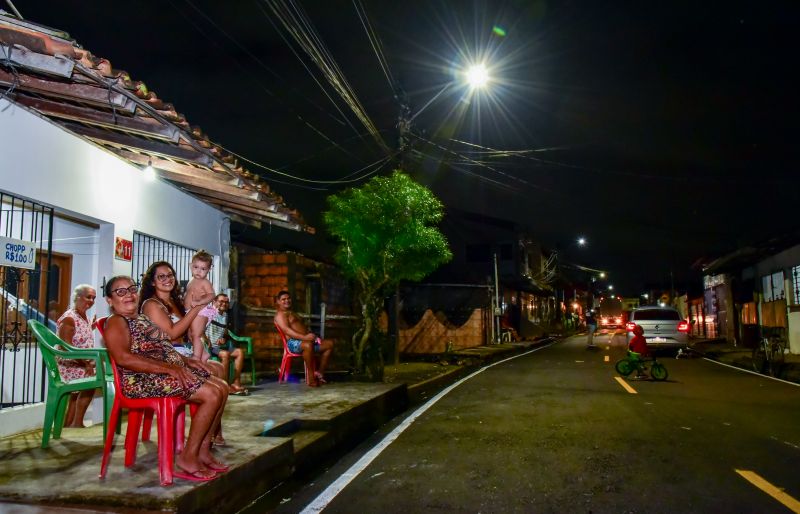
150 342
73 369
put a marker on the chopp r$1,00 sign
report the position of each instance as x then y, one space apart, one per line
17 253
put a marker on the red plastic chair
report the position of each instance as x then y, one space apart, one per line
171 419
286 361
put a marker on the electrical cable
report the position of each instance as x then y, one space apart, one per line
297 24
277 98
375 42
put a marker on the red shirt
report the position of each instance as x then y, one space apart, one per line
638 344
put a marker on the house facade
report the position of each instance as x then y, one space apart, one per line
98 177
755 291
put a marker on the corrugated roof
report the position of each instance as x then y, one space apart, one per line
45 70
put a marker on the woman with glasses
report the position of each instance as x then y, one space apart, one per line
151 368
159 300
75 328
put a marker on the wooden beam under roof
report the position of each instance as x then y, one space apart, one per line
99 96
145 145
56 65
226 196
244 221
139 125
198 184
178 168
265 213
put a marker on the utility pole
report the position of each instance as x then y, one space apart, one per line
497 311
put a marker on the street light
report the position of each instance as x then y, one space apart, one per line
477 76
602 274
610 287
581 241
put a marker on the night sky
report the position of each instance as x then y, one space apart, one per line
661 133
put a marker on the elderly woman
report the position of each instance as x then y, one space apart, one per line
151 368
75 328
159 300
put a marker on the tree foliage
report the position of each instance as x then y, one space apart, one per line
387 233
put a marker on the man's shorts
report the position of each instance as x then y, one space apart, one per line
295 345
214 350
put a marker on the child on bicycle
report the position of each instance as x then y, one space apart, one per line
638 349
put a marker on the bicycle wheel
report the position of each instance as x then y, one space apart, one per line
658 371
624 367
759 358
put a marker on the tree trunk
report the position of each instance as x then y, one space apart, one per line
364 362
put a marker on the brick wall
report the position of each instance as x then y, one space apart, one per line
261 275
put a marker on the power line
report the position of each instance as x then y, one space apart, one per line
297 24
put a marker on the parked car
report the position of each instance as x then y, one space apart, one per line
663 327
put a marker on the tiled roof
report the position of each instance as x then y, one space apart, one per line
47 71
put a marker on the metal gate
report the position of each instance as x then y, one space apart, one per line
149 249
24 295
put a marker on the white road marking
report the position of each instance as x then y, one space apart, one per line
327 496
751 372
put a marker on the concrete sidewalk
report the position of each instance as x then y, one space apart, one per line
278 430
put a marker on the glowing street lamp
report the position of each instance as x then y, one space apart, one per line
581 241
610 287
477 76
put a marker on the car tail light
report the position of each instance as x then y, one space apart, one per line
629 326
683 326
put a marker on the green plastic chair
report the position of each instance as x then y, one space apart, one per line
58 391
240 341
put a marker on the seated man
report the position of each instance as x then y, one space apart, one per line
301 340
220 345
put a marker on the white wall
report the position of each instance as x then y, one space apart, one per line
43 162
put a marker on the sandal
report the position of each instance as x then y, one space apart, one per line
239 390
319 378
194 476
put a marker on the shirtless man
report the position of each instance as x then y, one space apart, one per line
300 339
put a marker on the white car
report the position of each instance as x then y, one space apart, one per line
663 327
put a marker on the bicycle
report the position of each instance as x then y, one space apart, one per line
769 354
633 362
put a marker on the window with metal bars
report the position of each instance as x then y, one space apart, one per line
149 249
796 284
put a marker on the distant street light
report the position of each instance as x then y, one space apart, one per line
610 287
602 274
477 76
581 241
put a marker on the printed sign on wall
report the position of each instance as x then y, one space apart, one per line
123 249
17 253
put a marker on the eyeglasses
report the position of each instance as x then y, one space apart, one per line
164 277
125 291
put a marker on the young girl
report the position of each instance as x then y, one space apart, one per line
199 289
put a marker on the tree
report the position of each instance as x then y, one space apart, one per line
387 233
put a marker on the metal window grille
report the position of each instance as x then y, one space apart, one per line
149 249
796 284
22 291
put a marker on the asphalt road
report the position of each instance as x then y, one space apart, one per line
554 431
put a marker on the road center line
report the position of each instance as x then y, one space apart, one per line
625 385
770 489
327 496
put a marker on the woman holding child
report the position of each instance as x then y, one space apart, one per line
151 367
160 302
